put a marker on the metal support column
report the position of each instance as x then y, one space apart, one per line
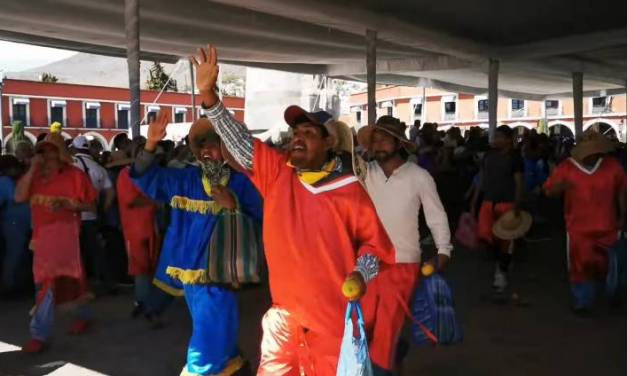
493 96
371 69
131 27
578 103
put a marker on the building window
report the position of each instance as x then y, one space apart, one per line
418 110
518 108
600 105
390 111
92 115
482 105
358 117
123 114
450 108
151 113
552 107
20 110
179 114
57 112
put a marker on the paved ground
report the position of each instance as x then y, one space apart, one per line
543 338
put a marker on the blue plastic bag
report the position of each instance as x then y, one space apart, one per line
617 268
354 358
435 322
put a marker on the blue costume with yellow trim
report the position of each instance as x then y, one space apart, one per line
183 262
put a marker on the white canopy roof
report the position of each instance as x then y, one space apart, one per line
444 43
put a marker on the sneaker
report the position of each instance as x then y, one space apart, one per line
138 309
500 280
34 346
79 327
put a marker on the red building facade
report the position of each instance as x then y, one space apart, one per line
98 112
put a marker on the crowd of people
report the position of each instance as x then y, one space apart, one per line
345 216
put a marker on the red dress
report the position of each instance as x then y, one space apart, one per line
138 226
56 247
591 213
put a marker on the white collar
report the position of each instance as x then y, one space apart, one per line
331 186
584 169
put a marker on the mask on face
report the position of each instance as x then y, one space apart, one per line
215 171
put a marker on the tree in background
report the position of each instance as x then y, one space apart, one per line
49 78
158 79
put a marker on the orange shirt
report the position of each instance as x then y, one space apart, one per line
138 225
591 205
312 238
68 183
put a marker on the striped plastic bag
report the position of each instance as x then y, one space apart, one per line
354 357
235 250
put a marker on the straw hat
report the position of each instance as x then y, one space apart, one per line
389 125
510 226
203 126
56 140
119 158
592 143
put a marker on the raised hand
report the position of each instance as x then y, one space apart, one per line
207 69
157 130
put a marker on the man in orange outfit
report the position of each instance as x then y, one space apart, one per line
320 226
137 213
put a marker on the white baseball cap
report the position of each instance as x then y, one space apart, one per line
80 142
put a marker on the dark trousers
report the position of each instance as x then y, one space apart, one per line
94 255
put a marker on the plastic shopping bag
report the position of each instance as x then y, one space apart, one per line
466 233
434 316
354 357
617 268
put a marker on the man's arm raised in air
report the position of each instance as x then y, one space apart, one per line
235 135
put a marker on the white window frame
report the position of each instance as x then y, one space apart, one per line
413 102
150 108
57 103
122 106
449 98
476 108
525 108
559 108
91 106
590 105
20 100
179 110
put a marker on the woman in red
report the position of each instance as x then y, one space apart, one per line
137 213
58 192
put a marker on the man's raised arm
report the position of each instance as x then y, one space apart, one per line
235 135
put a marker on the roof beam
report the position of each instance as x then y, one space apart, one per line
564 46
427 63
356 20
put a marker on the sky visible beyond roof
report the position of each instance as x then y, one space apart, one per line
15 57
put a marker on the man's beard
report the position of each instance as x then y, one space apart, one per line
384 156
215 171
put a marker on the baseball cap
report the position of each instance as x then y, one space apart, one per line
80 142
294 115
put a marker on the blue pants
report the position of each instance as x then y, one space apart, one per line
16 255
584 294
43 317
215 319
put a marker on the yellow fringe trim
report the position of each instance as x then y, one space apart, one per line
233 366
195 206
188 276
48 201
207 185
170 290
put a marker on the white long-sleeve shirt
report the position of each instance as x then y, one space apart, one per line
398 200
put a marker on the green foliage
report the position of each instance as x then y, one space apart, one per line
49 78
158 79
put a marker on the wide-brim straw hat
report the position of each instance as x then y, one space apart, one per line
389 125
56 140
119 158
511 226
592 143
202 126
